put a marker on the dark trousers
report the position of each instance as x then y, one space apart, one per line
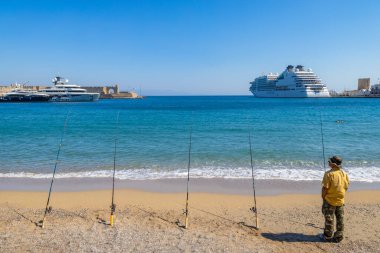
329 212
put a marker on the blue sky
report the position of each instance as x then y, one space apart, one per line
187 47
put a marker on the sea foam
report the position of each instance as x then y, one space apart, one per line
360 174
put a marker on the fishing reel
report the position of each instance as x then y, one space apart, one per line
113 208
49 209
186 212
253 209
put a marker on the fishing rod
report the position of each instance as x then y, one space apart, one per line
113 206
323 143
49 208
188 179
254 208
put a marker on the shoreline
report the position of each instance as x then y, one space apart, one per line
149 216
153 222
198 185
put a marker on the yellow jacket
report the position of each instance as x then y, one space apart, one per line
336 182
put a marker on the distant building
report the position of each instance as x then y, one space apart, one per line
364 83
375 89
355 93
333 93
362 91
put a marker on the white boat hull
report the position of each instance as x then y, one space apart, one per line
70 97
292 94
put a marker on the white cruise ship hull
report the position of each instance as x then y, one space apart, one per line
72 97
292 94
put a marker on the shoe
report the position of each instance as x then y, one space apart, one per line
323 238
337 239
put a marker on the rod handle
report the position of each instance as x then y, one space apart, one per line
186 221
111 220
43 223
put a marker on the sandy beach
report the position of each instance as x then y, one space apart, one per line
152 221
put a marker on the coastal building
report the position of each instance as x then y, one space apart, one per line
375 89
333 93
4 89
364 89
364 83
355 93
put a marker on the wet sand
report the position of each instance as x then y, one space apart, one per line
152 221
211 185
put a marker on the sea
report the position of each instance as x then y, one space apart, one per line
149 139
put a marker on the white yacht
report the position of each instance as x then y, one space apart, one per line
63 92
24 95
293 82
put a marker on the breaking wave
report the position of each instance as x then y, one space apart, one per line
360 174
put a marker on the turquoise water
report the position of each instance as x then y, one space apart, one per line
153 137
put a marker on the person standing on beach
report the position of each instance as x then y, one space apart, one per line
334 186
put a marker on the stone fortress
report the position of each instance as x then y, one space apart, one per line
111 92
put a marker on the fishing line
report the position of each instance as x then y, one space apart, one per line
254 208
323 143
188 179
47 208
113 206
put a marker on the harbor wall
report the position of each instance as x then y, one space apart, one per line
103 89
122 94
111 92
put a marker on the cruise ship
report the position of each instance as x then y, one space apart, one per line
63 92
293 82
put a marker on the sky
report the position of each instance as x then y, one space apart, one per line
193 47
